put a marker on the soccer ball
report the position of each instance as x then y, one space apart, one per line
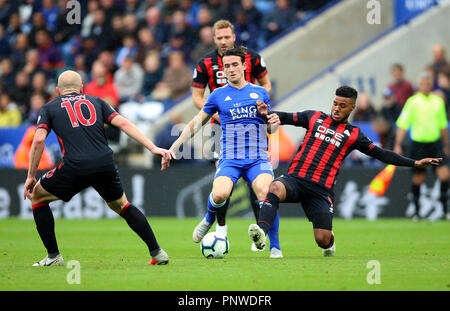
214 245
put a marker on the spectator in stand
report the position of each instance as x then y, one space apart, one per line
32 65
5 49
245 32
156 26
153 72
402 88
37 101
219 9
89 51
21 92
439 61
50 12
390 109
190 8
130 24
176 81
168 7
101 31
204 18
6 9
177 76
88 20
279 19
132 7
39 85
49 55
13 29
80 67
7 74
147 43
385 130
38 24
102 85
253 15
19 51
129 79
178 25
110 9
129 48
364 111
107 59
205 45
176 43
10 115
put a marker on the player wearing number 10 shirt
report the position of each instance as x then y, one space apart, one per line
78 121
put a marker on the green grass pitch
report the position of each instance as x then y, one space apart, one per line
411 256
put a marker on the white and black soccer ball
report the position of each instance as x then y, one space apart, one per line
214 245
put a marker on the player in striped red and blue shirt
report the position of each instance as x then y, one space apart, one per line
312 173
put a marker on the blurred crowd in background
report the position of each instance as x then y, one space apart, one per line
125 50
143 51
395 95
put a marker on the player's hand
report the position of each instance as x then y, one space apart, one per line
165 163
274 119
28 187
262 108
163 153
427 161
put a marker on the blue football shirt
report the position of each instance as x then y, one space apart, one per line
243 128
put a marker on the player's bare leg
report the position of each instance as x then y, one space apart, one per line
222 187
139 224
443 174
45 225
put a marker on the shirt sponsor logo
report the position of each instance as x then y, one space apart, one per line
243 112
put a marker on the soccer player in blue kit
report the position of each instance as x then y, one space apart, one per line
244 139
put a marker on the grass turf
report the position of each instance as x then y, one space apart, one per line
412 256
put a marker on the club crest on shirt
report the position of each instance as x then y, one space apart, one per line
254 95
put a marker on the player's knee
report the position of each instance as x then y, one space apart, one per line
220 196
276 188
322 238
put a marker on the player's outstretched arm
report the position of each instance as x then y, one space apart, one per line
188 131
131 130
37 148
391 157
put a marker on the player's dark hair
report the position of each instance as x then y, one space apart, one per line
347 91
237 51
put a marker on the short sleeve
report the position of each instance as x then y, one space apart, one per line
442 119
404 119
259 68
200 77
211 105
44 120
108 112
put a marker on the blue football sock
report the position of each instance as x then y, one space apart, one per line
273 233
212 209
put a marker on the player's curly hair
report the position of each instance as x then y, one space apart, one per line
237 51
347 91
